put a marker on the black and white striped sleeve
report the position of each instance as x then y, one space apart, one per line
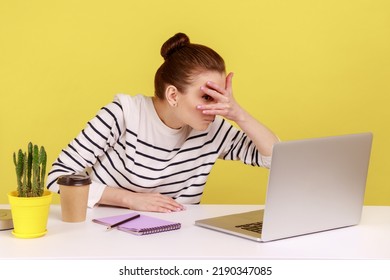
242 148
100 133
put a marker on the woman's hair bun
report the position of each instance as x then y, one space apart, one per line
173 44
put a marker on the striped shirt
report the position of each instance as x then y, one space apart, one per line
126 145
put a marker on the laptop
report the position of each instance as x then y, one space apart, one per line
314 185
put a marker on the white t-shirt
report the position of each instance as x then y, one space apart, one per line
126 145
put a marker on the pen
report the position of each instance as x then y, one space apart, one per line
123 221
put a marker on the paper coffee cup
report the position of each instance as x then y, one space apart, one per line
74 190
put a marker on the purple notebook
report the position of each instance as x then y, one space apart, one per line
140 226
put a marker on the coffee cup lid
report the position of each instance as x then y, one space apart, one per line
74 180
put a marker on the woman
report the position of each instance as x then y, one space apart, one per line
155 153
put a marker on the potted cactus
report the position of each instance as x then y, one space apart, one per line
30 203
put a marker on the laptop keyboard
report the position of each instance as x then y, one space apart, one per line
255 227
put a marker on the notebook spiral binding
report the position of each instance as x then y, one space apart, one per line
152 230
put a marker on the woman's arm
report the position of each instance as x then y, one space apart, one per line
153 202
83 151
225 105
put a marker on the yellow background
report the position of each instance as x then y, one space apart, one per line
304 68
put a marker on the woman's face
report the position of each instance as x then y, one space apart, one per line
193 96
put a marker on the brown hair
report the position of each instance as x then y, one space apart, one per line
182 60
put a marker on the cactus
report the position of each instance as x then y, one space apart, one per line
30 170
29 165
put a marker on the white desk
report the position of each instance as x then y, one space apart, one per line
87 240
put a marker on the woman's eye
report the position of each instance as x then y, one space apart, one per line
207 97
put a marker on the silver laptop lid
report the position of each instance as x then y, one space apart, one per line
315 185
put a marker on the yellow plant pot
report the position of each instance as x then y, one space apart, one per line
30 214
